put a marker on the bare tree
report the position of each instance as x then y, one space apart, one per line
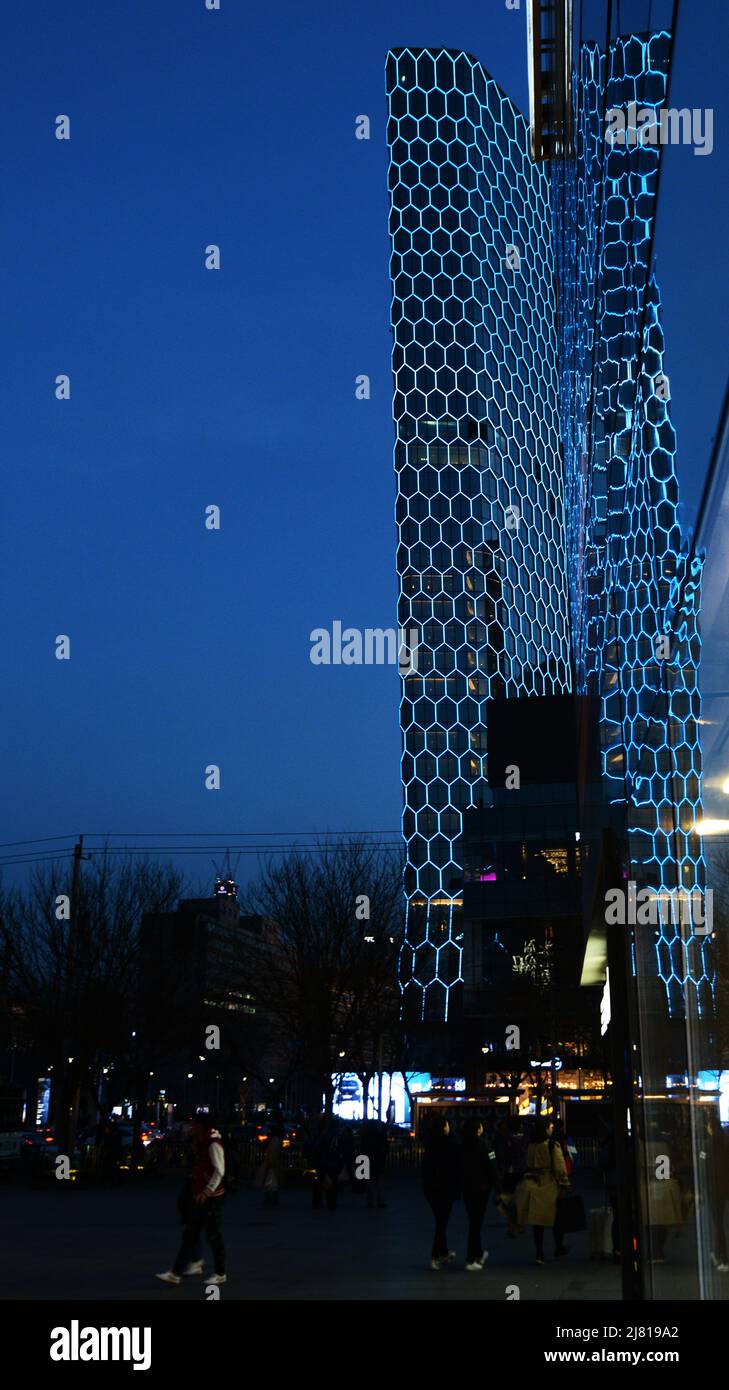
325 971
73 978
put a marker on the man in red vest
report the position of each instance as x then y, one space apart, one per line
206 1208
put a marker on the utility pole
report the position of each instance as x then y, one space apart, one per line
73 920
69 1098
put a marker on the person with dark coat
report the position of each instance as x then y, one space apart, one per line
205 1211
111 1150
479 1174
326 1157
511 1149
373 1145
440 1176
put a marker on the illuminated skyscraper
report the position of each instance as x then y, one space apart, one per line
540 549
480 507
635 592
635 589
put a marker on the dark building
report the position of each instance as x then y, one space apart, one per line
192 978
196 946
531 378
521 850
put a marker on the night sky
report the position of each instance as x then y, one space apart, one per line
192 387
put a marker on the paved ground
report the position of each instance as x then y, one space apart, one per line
107 1244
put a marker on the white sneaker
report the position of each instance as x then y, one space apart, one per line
195 1267
474 1267
217 1279
435 1264
451 1256
169 1278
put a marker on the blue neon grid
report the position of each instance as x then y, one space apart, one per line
629 570
477 433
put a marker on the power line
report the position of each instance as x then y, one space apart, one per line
118 850
193 834
394 846
38 859
10 844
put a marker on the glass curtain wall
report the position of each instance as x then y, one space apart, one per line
636 580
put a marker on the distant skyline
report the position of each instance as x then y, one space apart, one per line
237 388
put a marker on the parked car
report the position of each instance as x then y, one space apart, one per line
259 1129
11 1144
38 1146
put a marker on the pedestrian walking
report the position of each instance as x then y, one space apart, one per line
268 1174
659 1189
440 1177
326 1157
111 1151
478 1176
205 1210
511 1148
373 1145
537 1193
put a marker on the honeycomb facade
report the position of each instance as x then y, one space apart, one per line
480 506
635 595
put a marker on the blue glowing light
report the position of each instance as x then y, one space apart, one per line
480 506
635 594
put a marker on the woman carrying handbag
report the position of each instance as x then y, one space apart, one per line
537 1193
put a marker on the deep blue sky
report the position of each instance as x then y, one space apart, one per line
237 388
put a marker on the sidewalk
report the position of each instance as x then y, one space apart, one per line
108 1244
